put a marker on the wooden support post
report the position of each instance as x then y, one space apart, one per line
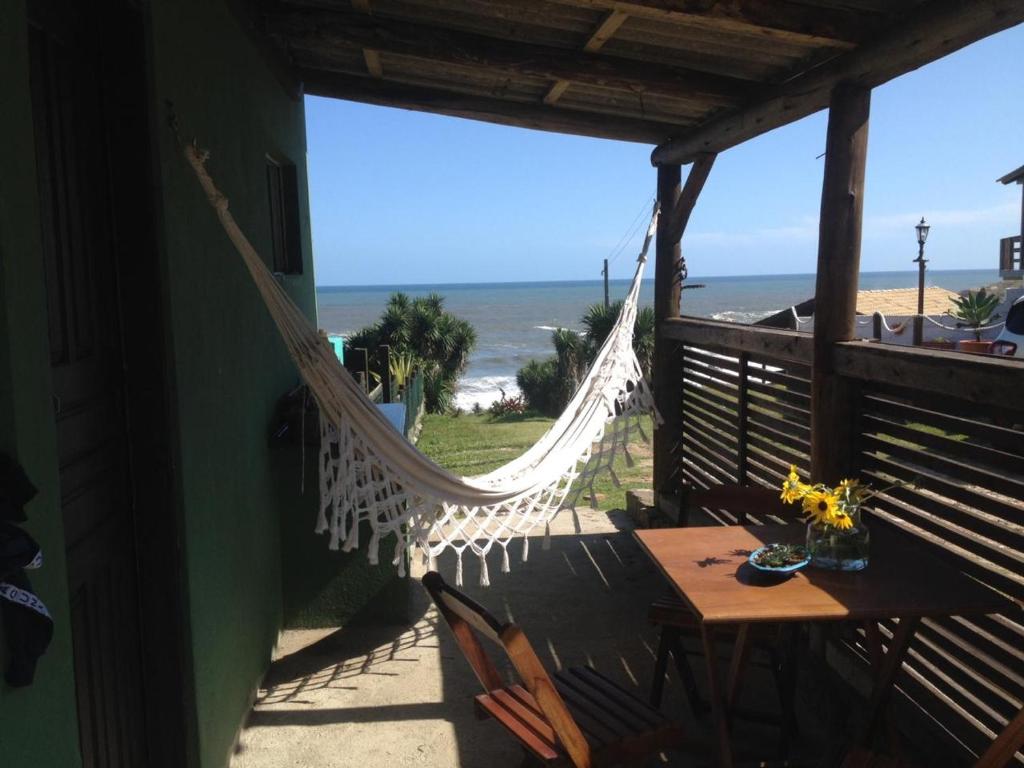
667 366
667 374
833 398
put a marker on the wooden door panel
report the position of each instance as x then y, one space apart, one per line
88 384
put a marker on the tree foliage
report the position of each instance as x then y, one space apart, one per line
549 384
420 330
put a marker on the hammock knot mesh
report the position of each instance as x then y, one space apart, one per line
372 478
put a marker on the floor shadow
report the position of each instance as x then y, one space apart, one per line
346 653
390 695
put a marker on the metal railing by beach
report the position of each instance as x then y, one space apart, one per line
951 421
411 395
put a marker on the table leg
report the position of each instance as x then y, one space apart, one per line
739 661
873 641
719 712
885 676
788 654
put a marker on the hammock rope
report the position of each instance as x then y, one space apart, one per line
372 478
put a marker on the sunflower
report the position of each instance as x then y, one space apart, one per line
841 520
820 505
792 488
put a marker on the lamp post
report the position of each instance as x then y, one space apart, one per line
922 235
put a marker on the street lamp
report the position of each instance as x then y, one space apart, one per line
922 235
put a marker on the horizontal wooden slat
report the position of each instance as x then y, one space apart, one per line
716 334
990 381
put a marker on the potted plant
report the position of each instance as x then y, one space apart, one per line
974 310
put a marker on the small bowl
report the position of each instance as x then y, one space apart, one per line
791 568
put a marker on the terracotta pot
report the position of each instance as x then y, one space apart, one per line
977 347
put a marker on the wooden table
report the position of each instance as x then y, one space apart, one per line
707 567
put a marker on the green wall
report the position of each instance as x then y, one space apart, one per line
38 724
250 557
229 364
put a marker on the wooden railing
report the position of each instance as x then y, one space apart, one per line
1010 258
953 421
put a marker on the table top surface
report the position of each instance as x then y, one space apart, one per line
708 568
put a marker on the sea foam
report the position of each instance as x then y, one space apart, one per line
483 390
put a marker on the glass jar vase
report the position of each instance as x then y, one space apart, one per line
839 549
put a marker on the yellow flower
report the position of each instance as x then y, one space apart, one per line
792 488
820 505
849 485
841 520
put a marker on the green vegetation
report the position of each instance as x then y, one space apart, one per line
422 334
975 310
549 384
473 444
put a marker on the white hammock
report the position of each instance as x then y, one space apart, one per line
372 477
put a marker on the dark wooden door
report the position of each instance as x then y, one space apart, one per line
85 328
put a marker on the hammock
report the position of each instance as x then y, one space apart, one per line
372 477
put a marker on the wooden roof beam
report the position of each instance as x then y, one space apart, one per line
780 20
601 35
347 29
930 32
370 56
488 109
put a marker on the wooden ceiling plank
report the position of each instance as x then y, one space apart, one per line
779 19
926 34
370 56
525 115
604 32
608 27
373 65
440 44
555 91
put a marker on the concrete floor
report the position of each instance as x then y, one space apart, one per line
402 695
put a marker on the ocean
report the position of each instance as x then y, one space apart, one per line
514 321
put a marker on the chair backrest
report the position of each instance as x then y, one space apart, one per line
469 621
745 503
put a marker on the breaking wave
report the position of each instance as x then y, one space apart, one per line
483 390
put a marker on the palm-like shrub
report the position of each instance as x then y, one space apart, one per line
538 381
548 385
974 310
423 334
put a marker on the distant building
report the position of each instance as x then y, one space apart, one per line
1011 265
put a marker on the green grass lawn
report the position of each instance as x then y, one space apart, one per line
472 444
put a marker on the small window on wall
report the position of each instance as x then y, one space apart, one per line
286 242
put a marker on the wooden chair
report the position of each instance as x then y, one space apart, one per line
575 717
1005 745
740 504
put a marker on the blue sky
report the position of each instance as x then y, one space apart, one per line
406 197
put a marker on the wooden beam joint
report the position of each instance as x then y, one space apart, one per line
928 32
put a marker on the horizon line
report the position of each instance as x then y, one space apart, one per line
319 286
